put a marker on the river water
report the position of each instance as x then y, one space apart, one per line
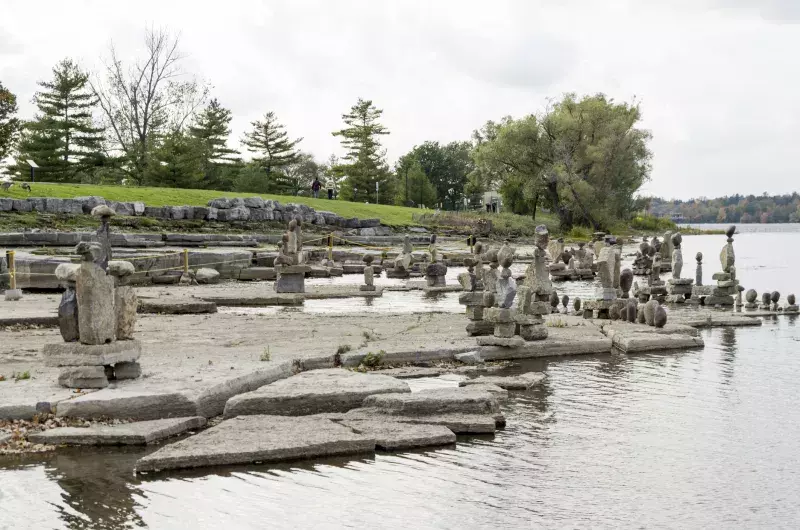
693 439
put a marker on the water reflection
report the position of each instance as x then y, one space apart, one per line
700 438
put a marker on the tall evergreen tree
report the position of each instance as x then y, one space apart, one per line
62 139
212 129
270 141
176 163
365 164
413 186
9 124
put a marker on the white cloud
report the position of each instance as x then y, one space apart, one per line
715 79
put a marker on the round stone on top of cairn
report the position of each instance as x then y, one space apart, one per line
775 296
369 274
751 297
791 304
766 298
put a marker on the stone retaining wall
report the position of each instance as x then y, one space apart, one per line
221 210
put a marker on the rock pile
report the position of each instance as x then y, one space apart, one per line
290 264
678 289
436 270
97 314
727 284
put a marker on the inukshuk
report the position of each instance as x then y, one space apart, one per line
290 265
97 315
482 297
436 270
678 289
727 284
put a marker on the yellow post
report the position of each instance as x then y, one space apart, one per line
330 247
12 269
186 261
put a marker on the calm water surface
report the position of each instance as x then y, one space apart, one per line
694 439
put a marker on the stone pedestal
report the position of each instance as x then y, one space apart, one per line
291 278
435 274
90 366
505 328
679 289
475 313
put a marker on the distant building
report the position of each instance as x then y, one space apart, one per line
492 201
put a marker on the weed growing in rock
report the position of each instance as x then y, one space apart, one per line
265 355
557 322
343 348
21 376
373 360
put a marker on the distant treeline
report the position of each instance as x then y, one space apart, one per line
732 209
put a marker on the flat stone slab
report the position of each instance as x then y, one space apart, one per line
5 437
128 404
413 372
257 273
252 439
314 392
256 301
642 342
456 422
137 433
436 401
571 340
176 307
517 382
77 354
393 436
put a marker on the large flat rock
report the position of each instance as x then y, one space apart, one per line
128 404
77 354
456 422
247 439
314 392
393 436
177 307
644 342
137 433
572 340
436 401
516 382
268 299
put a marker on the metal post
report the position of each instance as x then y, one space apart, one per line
330 247
12 269
186 261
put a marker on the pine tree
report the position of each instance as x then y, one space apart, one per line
62 139
365 160
212 129
271 143
176 163
413 186
9 124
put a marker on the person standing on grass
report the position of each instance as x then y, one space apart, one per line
315 187
330 185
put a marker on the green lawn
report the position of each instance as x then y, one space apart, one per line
389 215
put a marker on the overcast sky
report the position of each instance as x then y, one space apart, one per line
717 79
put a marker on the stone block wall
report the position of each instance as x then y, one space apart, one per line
221 210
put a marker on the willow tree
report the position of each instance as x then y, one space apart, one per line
585 159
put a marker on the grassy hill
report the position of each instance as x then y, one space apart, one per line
505 224
389 215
